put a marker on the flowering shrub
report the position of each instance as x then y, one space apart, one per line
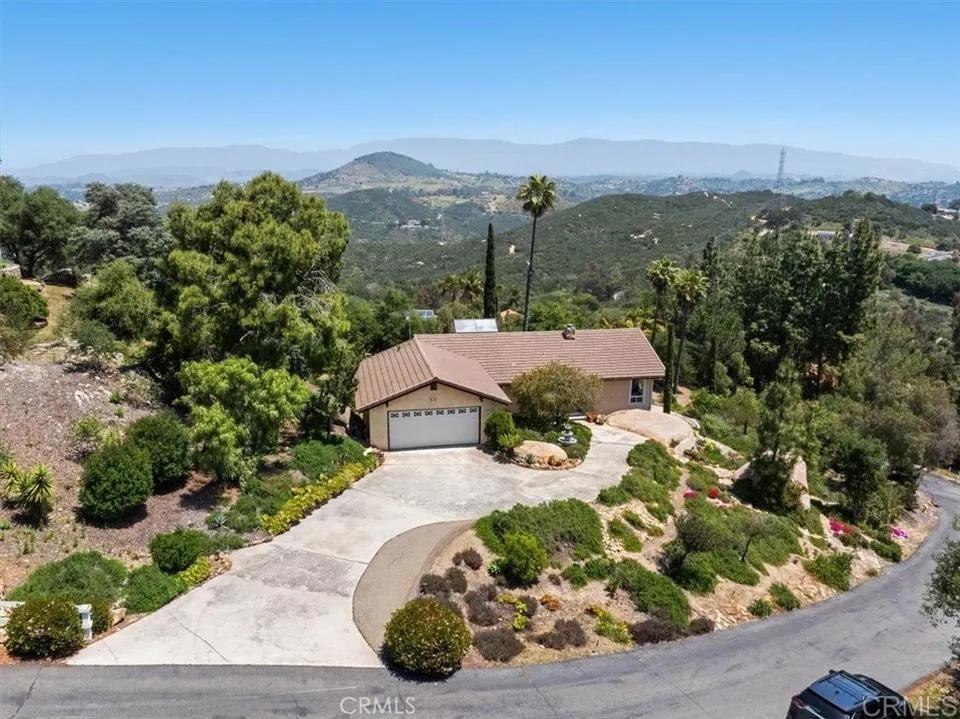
714 492
609 626
690 494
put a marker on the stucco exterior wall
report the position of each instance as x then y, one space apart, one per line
443 397
614 395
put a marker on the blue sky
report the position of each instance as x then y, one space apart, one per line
91 77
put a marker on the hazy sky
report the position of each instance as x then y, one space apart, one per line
85 77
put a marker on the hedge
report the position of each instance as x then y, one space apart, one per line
307 498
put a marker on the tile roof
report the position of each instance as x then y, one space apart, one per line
612 353
414 364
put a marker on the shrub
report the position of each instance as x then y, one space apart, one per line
832 569
609 626
149 588
118 299
550 602
550 393
654 461
889 550
425 637
456 580
116 481
598 568
634 520
499 424
434 584
167 442
612 496
701 625
497 645
85 436
94 340
318 458
654 631
307 498
783 597
41 628
80 578
531 605
576 575
101 615
197 573
226 542
524 558
471 557
20 304
562 524
700 478
565 633
727 564
623 534
482 613
651 592
511 440
260 497
655 496
483 593
761 608
175 551
697 574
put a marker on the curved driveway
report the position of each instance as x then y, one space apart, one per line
744 673
290 601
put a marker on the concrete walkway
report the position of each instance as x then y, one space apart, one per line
290 601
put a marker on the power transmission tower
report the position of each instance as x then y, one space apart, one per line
783 161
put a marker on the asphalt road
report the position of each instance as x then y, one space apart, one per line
743 673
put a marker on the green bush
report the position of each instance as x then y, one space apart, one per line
80 578
260 497
41 628
634 520
116 481
499 424
226 542
167 443
651 592
783 597
309 497
426 637
760 608
701 478
832 569
20 304
655 496
626 536
698 574
583 434
523 558
612 496
576 575
86 435
174 551
318 458
101 615
563 524
197 573
727 564
149 588
609 626
118 299
887 549
599 568
655 462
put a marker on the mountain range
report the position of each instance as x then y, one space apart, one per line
186 166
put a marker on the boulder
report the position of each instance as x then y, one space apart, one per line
542 453
798 476
66 276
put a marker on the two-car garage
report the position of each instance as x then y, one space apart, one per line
439 427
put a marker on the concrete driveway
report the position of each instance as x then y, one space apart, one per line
290 601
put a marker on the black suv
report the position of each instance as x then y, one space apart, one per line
841 695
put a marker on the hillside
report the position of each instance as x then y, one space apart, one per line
374 170
618 235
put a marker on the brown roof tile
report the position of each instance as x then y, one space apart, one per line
413 364
612 354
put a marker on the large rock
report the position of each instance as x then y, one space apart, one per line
798 476
542 453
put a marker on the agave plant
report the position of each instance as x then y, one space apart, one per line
35 493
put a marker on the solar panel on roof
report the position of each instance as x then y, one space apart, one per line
476 325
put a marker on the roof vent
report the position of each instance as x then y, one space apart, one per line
569 332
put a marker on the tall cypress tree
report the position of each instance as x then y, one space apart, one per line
490 279
669 369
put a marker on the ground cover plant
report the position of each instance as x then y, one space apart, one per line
563 525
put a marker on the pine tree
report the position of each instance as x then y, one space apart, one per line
490 278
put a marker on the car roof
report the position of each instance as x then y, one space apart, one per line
845 691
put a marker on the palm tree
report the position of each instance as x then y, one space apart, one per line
660 274
538 194
35 493
690 287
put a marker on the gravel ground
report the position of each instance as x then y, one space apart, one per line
38 401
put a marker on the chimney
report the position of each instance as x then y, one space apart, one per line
569 332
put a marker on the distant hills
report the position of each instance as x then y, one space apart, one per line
609 240
181 166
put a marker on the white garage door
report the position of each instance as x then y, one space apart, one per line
434 427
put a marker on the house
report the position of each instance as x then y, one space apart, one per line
438 389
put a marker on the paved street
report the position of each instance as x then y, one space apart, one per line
290 601
744 673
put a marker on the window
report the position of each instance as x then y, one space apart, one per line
433 386
636 391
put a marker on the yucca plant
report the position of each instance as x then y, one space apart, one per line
35 493
9 479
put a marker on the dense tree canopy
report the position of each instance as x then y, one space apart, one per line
34 226
252 275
